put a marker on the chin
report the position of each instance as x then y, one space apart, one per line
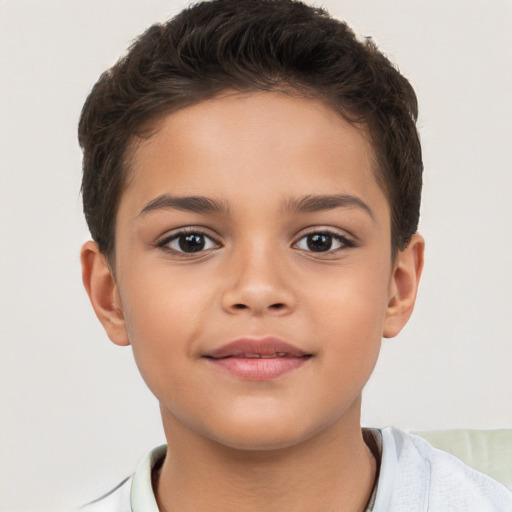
261 433
260 442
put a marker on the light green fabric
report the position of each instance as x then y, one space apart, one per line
488 451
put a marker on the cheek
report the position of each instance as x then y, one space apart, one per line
353 332
350 315
163 318
161 302
355 297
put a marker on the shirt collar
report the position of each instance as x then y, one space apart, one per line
142 497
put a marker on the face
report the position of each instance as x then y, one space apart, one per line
253 272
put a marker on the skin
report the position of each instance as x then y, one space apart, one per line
242 444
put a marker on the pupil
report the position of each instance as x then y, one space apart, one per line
191 243
319 242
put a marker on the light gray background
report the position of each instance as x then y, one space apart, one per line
75 415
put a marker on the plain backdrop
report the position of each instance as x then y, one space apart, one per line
75 415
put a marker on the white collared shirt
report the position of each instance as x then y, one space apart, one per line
414 477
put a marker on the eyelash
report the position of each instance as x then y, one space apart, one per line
345 242
164 244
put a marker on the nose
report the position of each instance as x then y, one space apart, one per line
258 284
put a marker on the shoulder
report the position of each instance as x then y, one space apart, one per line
417 476
115 500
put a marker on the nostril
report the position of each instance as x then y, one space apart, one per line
277 305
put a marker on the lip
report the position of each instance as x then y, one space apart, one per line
257 358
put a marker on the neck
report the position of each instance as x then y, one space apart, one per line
329 472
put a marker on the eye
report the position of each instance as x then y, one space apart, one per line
188 242
323 241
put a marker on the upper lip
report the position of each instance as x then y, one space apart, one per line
256 347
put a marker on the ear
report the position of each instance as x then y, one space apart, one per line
102 289
403 286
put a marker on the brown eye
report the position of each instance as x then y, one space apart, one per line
319 242
189 242
323 241
192 242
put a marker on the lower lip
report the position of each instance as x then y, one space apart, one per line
259 368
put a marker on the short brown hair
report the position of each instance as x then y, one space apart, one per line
246 45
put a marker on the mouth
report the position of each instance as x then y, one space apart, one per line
258 358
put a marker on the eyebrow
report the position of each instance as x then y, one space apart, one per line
318 203
197 204
306 204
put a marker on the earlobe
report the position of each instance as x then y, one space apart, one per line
403 286
101 287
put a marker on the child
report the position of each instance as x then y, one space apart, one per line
252 180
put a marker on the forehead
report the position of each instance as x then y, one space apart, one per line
238 144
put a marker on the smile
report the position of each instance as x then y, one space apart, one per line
258 358
264 356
